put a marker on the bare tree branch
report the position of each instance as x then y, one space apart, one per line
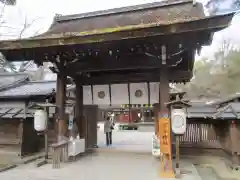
24 65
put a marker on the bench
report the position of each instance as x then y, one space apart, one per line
59 153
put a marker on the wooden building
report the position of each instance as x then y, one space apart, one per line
153 42
16 116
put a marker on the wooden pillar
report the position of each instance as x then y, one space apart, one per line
156 117
21 137
233 133
164 129
79 109
46 134
21 133
164 97
60 101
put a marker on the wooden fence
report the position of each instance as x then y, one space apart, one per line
200 135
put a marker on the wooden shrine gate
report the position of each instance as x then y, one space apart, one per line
143 43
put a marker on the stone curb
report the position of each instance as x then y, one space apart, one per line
7 168
195 171
31 159
19 163
220 176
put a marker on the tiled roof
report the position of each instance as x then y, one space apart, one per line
19 113
33 88
229 99
141 21
8 80
139 7
163 12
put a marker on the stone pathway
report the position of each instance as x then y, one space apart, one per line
128 140
103 166
107 165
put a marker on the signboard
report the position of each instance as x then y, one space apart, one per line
166 169
70 122
164 135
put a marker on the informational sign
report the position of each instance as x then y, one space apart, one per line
166 169
70 122
164 134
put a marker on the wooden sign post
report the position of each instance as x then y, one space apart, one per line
166 165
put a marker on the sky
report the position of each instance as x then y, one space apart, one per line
40 13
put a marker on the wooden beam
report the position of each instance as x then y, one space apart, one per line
134 61
174 76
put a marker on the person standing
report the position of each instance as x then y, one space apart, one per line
108 127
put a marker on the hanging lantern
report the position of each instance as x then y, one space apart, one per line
40 120
179 121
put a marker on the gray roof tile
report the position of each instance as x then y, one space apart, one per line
34 88
163 12
18 113
8 80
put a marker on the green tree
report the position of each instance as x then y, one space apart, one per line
215 78
232 72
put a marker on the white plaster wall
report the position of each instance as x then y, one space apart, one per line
119 93
87 95
154 92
